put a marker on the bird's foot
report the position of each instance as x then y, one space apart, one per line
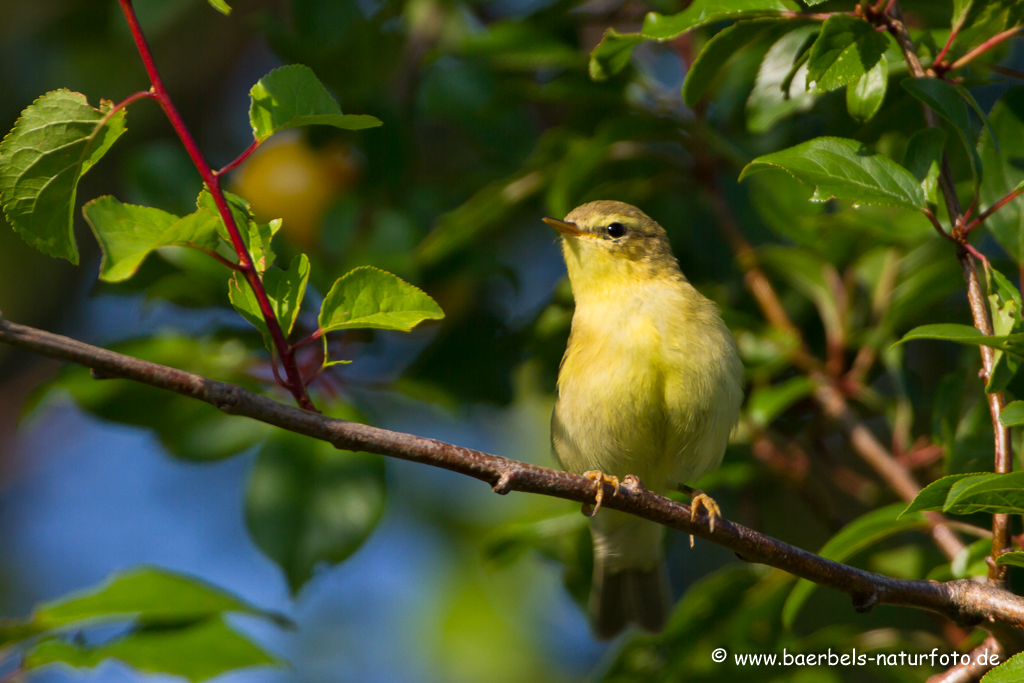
600 479
700 499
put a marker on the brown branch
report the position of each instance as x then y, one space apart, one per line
975 296
965 602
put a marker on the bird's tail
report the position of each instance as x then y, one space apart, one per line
630 578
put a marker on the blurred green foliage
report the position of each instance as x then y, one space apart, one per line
493 116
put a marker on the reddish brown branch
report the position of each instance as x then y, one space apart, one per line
212 180
240 158
965 602
984 47
975 296
972 671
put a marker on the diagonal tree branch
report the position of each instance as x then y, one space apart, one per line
965 602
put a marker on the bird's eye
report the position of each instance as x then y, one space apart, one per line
616 230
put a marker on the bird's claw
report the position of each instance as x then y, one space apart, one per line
600 479
701 499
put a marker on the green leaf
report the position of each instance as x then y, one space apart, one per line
221 6
1012 415
285 289
993 493
256 236
1005 308
197 652
845 169
370 298
719 50
847 48
613 52
767 403
701 12
58 138
1004 171
148 595
1014 559
553 537
292 96
948 102
864 98
1010 671
965 334
780 88
933 496
859 534
127 234
960 10
308 503
924 158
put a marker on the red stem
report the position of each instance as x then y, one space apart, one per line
949 44
984 47
241 157
311 338
245 265
217 257
995 207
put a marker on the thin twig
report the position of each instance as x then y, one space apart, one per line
984 47
212 180
972 671
965 602
239 159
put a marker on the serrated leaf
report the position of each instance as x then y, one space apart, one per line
864 98
847 48
127 234
256 236
859 534
845 169
780 88
719 50
1014 559
933 496
285 289
292 96
1012 415
924 158
1010 671
965 334
307 503
1005 308
613 52
197 652
993 493
221 6
370 298
948 102
58 138
1004 171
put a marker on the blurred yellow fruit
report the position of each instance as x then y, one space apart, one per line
287 178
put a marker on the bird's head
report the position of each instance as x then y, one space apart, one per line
609 243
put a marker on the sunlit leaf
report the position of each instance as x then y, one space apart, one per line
370 298
924 158
285 290
1013 414
965 334
221 6
845 169
127 234
720 49
58 138
933 496
994 493
780 88
1009 671
292 96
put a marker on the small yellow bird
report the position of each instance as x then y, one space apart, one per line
650 385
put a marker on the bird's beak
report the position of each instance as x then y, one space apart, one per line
570 229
